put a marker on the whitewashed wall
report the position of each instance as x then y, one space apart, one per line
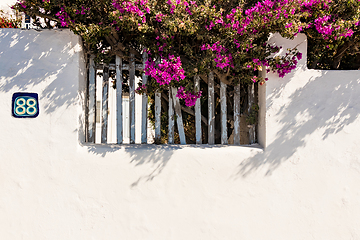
304 185
5 5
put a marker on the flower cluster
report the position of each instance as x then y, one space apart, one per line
159 17
138 7
82 12
188 96
327 27
64 17
222 58
168 70
263 13
284 65
323 26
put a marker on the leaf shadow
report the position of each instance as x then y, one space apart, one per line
325 103
27 61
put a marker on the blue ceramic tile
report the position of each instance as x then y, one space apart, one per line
25 105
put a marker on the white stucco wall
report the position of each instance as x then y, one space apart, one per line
5 6
304 185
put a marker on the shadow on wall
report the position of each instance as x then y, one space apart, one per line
325 103
29 58
157 156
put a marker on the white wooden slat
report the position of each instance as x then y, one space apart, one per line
237 114
144 107
260 128
105 102
198 112
171 120
251 99
91 101
119 116
224 138
179 120
157 116
211 109
132 98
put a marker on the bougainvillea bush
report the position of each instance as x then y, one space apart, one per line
184 38
194 37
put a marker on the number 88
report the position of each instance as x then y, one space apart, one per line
29 109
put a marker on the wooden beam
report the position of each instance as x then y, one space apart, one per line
211 109
105 103
157 117
171 119
198 135
251 101
237 114
91 101
144 106
179 120
119 116
132 98
224 138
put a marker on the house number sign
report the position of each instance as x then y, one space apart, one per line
25 105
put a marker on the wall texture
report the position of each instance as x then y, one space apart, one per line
304 185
